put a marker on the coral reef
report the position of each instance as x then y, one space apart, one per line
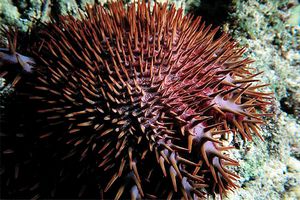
265 28
5 91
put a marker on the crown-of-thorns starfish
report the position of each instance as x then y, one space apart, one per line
147 93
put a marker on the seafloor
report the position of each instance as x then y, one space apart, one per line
271 32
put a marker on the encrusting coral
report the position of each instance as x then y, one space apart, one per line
148 95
